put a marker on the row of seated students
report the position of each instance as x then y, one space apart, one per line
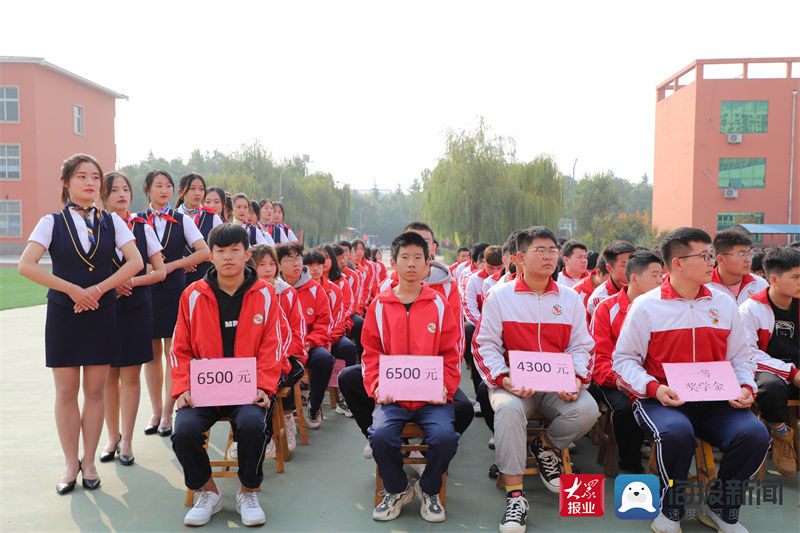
236 309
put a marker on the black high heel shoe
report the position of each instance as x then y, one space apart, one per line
89 484
151 429
107 457
126 460
65 488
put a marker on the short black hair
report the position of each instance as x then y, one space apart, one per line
493 255
418 225
338 250
228 234
601 265
639 261
758 262
526 236
256 208
409 238
356 242
678 242
571 245
781 260
285 249
591 260
345 244
615 249
313 257
511 242
724 241
476 251
462 249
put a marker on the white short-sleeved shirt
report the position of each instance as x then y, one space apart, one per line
190 232
267 238
217 221
153 245
43 232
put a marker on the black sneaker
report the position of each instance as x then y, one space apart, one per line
513 520
550 467
494 472
314 418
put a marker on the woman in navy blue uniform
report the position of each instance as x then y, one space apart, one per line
175 231
134 324
215 199
241 216
191 196
81 307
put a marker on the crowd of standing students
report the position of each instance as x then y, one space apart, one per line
222 275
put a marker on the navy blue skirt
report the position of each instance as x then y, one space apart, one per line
79 339
165 311
134 329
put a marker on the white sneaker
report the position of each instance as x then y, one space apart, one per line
233 451
291 431
418 468
392 504
476 407
247 506
367 453
270 451
342 409
662 524
491 442
314 418
708 517
430 507
208 504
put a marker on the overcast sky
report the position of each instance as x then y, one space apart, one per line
369 89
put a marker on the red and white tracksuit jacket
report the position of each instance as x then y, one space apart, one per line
367 275
565 279
463 277
380 268
516 318
662 327
749 287
347 300
316 310
336 302
759 321
198 335
603 291
353 281
585 289
427 328
295 323
490 282
605 327
473 296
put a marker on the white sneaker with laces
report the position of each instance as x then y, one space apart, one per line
662 524
314 418
291 432
367 453
707 516
418 468
476 407
392 504
513 520
430 508
269 453
208 504
233 451
248 507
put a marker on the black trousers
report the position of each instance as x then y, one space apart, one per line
627 433
469 331
251 429
773 397
290 381
351 385
355 332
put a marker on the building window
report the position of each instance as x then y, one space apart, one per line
745 116
10 218
77 113
9 104
9 162
726 220
742 172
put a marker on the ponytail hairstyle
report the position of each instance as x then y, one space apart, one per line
68 168
151 176
186 182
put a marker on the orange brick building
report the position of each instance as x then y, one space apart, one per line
46 115
724 145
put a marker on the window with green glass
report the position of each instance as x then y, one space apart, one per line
726 220
743 116
742 172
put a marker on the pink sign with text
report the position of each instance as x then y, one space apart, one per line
411 378
703 382
223 381
338 366
542 371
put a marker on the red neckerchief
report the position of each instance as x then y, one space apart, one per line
203 209
163 213
131 220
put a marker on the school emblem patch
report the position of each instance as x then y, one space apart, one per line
431 328
310 311
557 310
258 318
714 314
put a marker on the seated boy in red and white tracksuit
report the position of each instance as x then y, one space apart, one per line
411 319
615 257
683 322
533 313
772 320
734 251
228 313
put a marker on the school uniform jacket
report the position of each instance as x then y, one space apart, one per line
381 272
585 288
295 321
662 327
336 303
605 327
759 322
198 335
565 279
316 310
366 283
516 318
603 291
473 297
490 282
749 287
427 328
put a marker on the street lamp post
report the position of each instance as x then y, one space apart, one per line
306 159
574 184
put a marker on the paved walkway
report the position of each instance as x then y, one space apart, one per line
327 486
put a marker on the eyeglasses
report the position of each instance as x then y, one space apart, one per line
742 255
541 251
292 259
708 257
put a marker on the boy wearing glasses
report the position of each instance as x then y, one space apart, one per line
533 313
734 251
615 257
686 321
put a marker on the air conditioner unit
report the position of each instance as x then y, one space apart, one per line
731 193
734 138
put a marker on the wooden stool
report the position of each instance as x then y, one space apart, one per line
333 393
279 431
534 432
410 431
704 464
299 414
223 464
605 454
